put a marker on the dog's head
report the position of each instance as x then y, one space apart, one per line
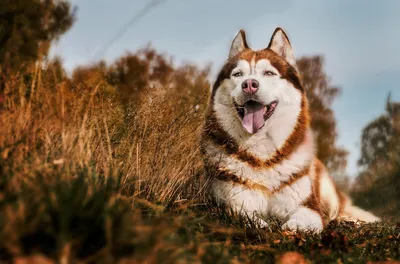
259 90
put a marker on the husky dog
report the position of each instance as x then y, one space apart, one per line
258 147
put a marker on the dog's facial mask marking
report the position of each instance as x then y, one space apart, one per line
253 93
258 89
256 85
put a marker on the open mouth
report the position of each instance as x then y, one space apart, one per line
253 114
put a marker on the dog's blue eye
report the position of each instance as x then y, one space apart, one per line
270 73
237 74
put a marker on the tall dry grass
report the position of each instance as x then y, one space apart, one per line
81 167
153 144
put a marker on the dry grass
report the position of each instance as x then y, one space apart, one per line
154 143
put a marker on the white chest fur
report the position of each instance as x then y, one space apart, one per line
285 204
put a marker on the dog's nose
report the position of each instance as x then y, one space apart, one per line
250 86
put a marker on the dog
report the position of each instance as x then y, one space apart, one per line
258 147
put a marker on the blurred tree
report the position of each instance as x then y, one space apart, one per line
53 73
134 74
27 28
380 150
139 76
375 141
377 185
89 76
321 94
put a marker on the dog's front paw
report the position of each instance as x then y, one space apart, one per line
304 219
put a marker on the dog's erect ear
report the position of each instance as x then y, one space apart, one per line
280 44
239 44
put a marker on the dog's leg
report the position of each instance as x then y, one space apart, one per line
249 204
304 219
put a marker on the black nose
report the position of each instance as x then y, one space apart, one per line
250 86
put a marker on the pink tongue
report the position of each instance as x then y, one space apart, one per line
253 118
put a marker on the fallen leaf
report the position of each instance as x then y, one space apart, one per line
37 259
291 258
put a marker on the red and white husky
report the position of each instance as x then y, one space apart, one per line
257 144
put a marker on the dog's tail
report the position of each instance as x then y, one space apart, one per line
355 213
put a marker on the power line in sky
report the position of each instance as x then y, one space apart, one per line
145 10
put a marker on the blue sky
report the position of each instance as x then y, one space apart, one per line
359 39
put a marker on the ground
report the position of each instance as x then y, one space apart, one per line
90 218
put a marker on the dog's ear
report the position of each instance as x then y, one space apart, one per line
280 44
239 44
